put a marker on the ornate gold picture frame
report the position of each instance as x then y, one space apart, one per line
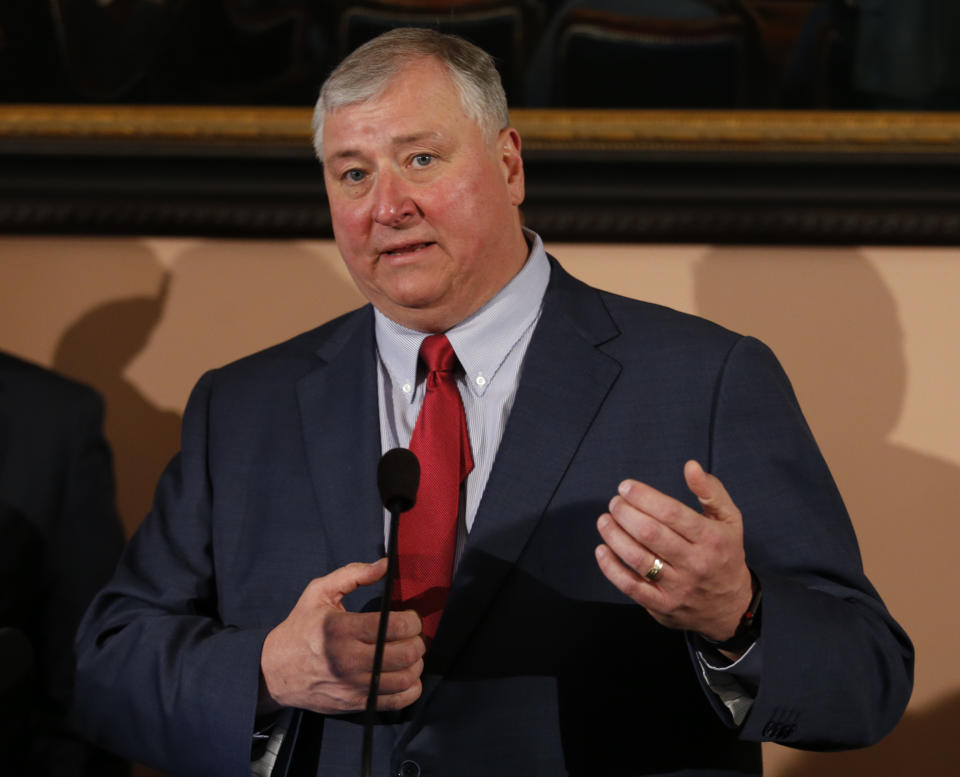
720 176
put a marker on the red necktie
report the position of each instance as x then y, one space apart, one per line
427 535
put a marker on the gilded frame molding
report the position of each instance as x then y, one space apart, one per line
593 175
542 129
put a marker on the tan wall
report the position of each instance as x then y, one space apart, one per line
869 336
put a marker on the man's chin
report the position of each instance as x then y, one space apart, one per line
424 314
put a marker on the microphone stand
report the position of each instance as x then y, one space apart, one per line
370 712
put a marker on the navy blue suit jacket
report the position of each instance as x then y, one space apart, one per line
540 666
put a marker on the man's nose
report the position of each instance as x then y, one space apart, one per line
394 205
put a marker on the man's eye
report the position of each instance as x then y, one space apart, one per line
422 160
354 176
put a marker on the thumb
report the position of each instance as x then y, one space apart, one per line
337 584
713 497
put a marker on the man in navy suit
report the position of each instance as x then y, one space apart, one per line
248 592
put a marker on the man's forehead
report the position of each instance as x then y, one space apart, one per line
414 106
418 74
352 148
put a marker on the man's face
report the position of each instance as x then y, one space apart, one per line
424 204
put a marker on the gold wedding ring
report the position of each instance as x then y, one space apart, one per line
653 574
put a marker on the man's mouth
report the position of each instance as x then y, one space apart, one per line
408 248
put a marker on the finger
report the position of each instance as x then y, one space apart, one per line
337 584
398 701
352 629
399 656
404 624
667 511
397 681
713 497
351 664
363 627
636 555
655 535
627 580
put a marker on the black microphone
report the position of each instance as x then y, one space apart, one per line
398 477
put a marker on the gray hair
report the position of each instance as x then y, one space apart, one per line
364 75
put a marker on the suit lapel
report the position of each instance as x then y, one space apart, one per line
565 380
341 430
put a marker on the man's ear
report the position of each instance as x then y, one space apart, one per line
508 145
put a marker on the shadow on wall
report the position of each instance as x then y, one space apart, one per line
97 349
834 325
224 300
233 297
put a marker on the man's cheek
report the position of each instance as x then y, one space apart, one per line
349 226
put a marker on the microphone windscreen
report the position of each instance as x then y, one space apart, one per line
398 476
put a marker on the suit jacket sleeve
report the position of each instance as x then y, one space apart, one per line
83 544
161 677
837 670
61 539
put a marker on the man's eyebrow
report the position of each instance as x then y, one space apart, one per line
345 154
416 137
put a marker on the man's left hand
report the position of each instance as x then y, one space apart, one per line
704 584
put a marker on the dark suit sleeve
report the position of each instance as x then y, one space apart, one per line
83 543
60 542
837 670
84 539
160 677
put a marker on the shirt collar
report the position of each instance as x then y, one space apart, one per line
481 341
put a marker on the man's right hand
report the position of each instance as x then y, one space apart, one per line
321 657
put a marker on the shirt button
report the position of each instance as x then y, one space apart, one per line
409 769
406 388
481 381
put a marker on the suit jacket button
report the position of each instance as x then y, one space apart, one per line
409 769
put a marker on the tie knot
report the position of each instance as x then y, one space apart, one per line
438 354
